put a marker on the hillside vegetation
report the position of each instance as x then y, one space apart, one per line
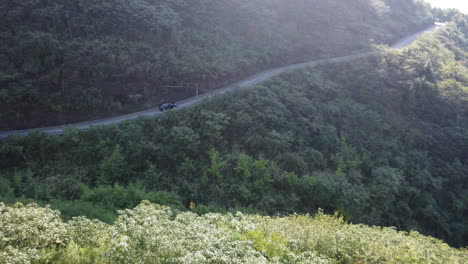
382 141
69 60
155 234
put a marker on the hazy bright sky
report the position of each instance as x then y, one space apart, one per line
459 4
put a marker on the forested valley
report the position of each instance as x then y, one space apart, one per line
381 140
64 61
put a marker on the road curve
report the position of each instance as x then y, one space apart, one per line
251 81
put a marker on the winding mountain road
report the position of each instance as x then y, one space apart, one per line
251 81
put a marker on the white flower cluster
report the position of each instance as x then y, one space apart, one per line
88 233
24 229
154 234
11 255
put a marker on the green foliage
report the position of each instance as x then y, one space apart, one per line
113 166
213 172
269 244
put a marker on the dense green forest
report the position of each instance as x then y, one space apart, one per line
381 140
152 234
69 60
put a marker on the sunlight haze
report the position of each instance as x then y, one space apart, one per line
462 5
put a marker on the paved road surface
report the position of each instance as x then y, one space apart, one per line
251 81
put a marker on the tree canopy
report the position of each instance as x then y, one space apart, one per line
63 61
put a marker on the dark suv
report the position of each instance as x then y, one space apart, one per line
168 106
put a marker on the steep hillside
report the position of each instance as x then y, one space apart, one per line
154 234
382 140
70 60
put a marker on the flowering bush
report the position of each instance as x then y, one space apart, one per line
155 234
25 229
333 237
